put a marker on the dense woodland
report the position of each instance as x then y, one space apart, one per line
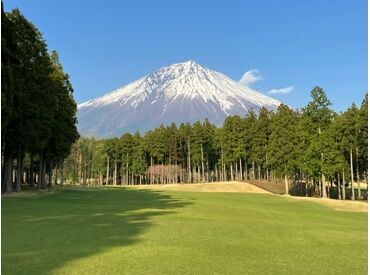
38 112
315 146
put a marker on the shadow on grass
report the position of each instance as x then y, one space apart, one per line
42 233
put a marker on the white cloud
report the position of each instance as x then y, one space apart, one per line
285 90
249 77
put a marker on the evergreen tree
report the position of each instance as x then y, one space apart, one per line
260 140
29 128
126 146
234 143
138 166
8 60
250 127
363 137
317 117
283 143
350 133
64 131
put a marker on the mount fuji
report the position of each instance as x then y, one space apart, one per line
183 92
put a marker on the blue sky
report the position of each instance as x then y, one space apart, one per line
288 46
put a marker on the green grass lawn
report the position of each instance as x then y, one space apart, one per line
121 231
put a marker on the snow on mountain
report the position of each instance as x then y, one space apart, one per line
183 92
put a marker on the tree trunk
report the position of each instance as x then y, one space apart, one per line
84 176
207 170
56 176
338 186
44 172
151 170
50 173
202 156
343 186
286 183
231 171
222 163
267 170
358 177
246 170
74 175
189 162
323 185
253 171
107 180
80 168
31 181
367 184
123 177
240 169
352 187
176 176
127 176
305 187
91 174
115 173
195 174
62 173
215 175
162 173
19 169
3 177
40 172
42 180
259 171
8 174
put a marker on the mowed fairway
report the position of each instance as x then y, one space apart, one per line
138 231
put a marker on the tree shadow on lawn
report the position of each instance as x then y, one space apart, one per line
41 234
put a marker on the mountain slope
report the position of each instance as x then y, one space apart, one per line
183 92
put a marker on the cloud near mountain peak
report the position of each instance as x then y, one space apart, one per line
250 77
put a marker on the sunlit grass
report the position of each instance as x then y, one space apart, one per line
120 231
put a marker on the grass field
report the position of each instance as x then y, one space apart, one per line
133 231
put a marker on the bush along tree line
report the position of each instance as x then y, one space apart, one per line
37 107
314 147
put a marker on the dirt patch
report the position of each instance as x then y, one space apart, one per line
233 186
275 187
339 205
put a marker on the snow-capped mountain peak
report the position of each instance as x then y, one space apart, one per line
182 92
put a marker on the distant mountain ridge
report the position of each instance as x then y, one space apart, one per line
183 92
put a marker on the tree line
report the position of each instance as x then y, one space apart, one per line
37 107
324 150
315 146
